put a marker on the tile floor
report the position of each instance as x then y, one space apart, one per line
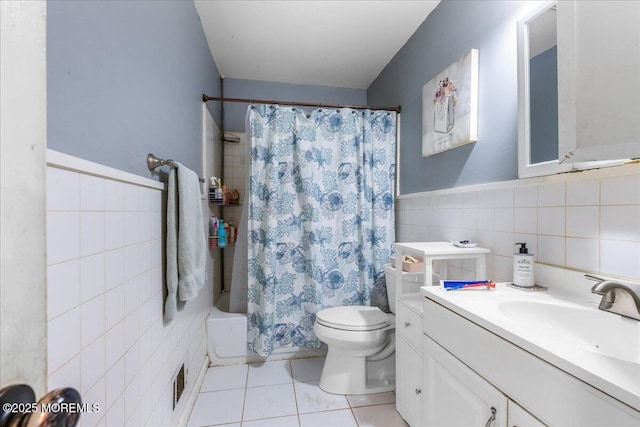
285 394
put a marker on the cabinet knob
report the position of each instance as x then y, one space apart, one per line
492 418
407 324
418 391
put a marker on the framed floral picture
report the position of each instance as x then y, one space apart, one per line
450 106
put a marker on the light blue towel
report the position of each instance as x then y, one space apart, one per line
186 240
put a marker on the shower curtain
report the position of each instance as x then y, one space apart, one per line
320 217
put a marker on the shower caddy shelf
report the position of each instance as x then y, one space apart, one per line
231 198
213 243
232 235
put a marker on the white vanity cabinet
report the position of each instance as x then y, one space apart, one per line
598 79
468 370
434 388
409 362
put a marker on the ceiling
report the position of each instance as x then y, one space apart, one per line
327 43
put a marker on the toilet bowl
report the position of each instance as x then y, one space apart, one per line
361 349
360 346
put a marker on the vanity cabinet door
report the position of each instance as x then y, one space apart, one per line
409 393
518 417
457 396
598 80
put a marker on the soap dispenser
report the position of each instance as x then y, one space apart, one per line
523 267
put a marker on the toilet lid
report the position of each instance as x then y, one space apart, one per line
355 318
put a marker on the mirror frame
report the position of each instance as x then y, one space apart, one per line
525 167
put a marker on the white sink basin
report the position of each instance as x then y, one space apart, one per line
590 329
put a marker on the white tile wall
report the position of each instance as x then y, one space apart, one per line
583 221
621 190
235 158
583 193
106 333
551 221
588 221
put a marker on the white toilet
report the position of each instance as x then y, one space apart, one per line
361 346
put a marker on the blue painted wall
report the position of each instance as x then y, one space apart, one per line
126 78
449 32
543 105
253 89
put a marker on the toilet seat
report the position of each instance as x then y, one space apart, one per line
353 318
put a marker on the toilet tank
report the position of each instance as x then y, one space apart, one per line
411 283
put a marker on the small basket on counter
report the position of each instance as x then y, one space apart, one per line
410 264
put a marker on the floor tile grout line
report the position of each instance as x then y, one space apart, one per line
224 389
353 414
265 385
295 395
244 396
372 404
265 418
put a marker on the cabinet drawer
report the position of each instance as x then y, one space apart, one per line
409 325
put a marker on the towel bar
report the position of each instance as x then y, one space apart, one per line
153 162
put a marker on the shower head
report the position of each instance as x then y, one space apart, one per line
230 138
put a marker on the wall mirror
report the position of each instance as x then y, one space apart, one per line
538 93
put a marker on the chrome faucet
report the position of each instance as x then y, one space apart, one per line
618 297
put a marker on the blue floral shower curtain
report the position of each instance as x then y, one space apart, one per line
321 217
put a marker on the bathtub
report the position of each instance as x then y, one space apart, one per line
227 339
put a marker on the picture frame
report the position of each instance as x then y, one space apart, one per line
450 106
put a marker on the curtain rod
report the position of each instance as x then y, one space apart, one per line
206 98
